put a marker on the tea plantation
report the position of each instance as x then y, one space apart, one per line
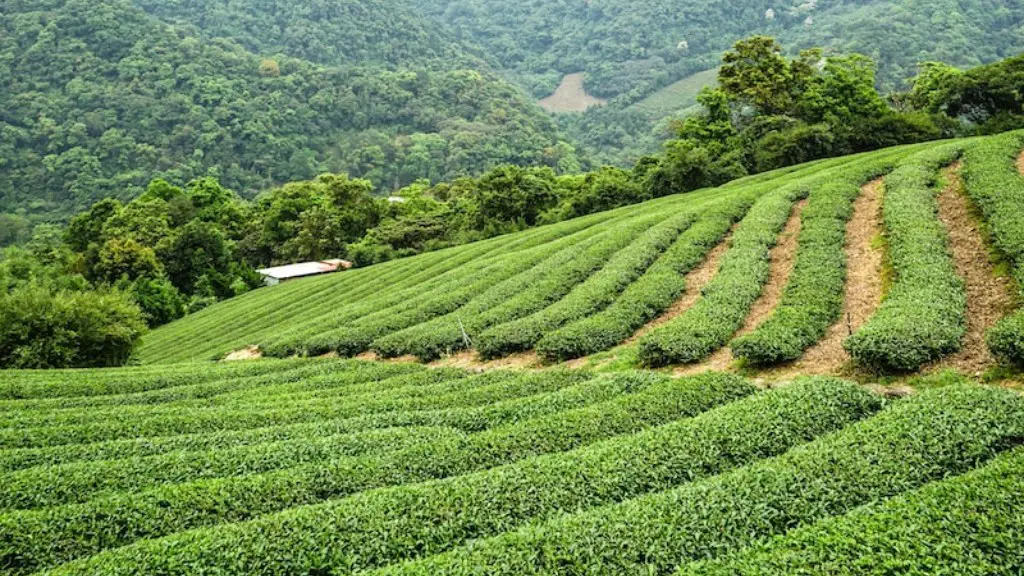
693 399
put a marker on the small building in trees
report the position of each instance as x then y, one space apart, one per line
278 274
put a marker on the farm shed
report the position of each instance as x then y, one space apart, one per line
276 275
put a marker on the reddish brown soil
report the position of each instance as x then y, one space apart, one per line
989 297
696 280
783 257
863 292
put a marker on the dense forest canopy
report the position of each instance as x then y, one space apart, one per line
628 49
100 97
630 46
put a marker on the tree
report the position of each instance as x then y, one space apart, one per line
125 258
43 328
756 73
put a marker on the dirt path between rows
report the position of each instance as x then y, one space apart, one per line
989 297
783 257
468 360
1020 163
863 291
695 281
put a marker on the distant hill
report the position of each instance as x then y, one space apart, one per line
100 97
796 271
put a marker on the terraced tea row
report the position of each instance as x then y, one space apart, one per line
585 286
412 470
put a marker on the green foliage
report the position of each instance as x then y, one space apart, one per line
347 532
997 188
813 297
963 525
591 296
727 299
924 316
927 438
110 97
44 328
650 295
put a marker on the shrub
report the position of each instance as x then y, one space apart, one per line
40 328
534 290
937 434
924 316
380 527
997 189
727 299
487 388
593 295
813 297
969 524
651 294
121 518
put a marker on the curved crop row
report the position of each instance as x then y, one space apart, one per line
552 280
486 389
651 294
318 330
727 299
289 373
924 316
259 390
361 334
997 189
20 458
372 392
813 297
926 438
258 315
404 295
45 486
649 400
377 528
970 524
595 294
20 385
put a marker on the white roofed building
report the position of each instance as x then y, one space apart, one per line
278 274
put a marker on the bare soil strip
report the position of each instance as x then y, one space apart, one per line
989 297
863 292
468 360
783 257
1020 163
247 353
695 282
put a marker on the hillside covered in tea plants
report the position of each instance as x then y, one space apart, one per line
895 261
448 448
349 467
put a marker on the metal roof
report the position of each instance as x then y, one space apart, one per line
302 269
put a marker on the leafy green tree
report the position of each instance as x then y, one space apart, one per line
125 258
756 73
44 328
195 250
158 299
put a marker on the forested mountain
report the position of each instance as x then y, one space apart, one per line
100 97
380 32
631 46
628 49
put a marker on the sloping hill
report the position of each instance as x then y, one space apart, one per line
344 467
581 288
627 46
100 97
